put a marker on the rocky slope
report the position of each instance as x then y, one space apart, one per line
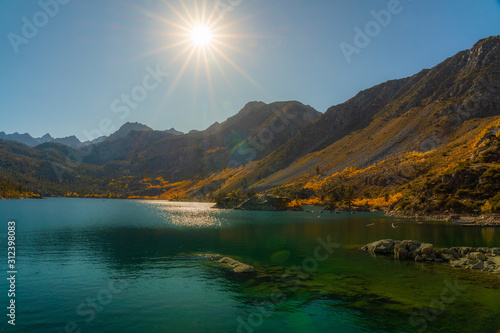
424 112
472 187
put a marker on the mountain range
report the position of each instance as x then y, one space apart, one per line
73 141
389 141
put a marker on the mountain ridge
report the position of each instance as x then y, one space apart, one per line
73 141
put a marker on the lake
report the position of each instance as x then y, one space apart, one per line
93 265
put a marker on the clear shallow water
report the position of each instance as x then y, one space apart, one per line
131 266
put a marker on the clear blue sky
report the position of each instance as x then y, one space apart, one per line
65 77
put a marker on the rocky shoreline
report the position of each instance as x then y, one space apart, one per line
482 258
29 195
350 209
485 220
263 202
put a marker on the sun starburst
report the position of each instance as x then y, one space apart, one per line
198 36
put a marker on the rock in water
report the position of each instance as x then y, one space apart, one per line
476 256
381 246
483 258
426 248
236 266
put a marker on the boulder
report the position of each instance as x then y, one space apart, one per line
459 263
483 250
384 246
401 253
476 256
457 255
476 265
451 252
423 257
464 250
412 254
447 257
411 245
447 251
426 248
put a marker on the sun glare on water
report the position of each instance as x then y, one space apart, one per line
186 214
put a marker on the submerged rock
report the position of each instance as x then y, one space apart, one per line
236 266
227 262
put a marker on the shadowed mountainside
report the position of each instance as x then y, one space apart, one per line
236 141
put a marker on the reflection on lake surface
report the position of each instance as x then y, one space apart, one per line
137 262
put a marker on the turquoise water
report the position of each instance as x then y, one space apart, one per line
92 265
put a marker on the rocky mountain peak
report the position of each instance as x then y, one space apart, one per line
251 106
484 53
126 128
47 137
174 131
487 44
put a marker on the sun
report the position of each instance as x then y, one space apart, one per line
199 38
201 35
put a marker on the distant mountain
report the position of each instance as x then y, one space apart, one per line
46 138
93 142
74 142
174 131
28 140
126 128
122 148
71 141
22 138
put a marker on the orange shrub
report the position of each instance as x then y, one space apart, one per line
380 201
